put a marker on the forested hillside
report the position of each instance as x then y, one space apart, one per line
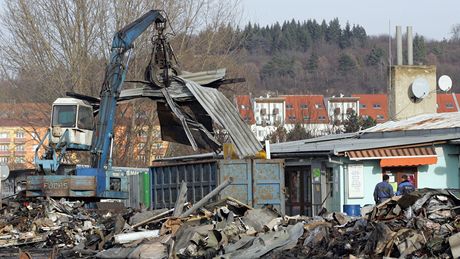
331 58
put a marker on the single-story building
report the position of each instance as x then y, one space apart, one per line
337 170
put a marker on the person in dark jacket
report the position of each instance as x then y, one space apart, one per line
383 190
405 186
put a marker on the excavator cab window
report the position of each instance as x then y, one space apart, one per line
64 116
85 118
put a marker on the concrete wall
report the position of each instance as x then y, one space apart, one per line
401 106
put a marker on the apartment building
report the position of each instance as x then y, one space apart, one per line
374 106
307 110
265 114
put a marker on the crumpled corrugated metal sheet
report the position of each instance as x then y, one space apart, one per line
204 77
225 114
213 104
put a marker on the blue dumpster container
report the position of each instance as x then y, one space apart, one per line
352 209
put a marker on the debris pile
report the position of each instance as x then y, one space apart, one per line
422 224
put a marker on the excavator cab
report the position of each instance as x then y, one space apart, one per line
72 121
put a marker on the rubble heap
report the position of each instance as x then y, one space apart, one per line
421 224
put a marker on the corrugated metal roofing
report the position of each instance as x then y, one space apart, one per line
421 122
224 113
392 152
340 145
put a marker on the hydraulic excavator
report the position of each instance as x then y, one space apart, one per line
73 119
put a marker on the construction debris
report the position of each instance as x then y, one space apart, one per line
422 224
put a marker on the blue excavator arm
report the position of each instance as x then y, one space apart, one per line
100 180
114 78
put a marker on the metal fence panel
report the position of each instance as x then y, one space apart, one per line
200 178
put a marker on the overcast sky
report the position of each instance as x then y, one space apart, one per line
430 18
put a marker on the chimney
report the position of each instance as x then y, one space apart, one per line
399 46
410 52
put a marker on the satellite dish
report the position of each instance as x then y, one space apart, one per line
420 88
445 83
4 172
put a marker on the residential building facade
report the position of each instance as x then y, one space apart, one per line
266 114
338 108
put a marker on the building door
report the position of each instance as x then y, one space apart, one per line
396 174
298 190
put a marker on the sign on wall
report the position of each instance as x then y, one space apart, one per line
355 181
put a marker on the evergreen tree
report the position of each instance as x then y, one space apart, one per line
375 56
279 66
323 29
419 49
351 124
304 39
346 63
333 31
277 136
359 33
346 37
355 123
298 133
367 122
315 30
312 64
276 37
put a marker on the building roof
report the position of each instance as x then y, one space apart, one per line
269 99
447 102
21 123
421 122
243 102
374 106
340 145
341 99
423 129
305 109
24 114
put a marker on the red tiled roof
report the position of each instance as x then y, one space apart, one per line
22 123
369 106
305 109
446 103
25 111
247 113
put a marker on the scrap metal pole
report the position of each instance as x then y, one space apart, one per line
206 198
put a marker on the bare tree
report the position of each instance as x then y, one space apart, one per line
455 32
49 47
